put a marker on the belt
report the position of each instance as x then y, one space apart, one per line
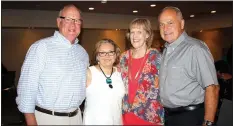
71 114
172 111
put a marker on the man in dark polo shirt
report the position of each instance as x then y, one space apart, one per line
188 84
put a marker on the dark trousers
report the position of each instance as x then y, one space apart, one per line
186 118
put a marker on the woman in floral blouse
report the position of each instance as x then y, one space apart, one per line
139 68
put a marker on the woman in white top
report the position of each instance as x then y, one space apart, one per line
105 88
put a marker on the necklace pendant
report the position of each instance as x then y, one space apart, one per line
109 81
110 86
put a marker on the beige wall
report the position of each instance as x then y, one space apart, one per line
15 43
39 18
216 40
92 36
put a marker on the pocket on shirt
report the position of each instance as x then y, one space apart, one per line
177 72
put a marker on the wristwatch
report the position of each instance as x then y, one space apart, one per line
208 123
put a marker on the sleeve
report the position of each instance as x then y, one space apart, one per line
203 66
87 60
82 95
158 61
122 59
29 79
118 66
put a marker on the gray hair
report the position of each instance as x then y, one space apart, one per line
67 6
176 9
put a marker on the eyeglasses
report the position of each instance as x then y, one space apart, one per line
70 20
111 53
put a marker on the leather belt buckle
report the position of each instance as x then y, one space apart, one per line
172 111
70 114
191 108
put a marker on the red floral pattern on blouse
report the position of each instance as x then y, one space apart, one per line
146 104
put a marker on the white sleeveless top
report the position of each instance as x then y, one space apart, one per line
103 104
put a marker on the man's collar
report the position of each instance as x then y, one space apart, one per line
59 36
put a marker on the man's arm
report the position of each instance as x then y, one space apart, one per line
203 67
27 88
211 102
30 118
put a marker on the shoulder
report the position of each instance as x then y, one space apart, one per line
82 53
46 40
194 43
117 71
41 45
154 54
89 71
198 47
81 49
90 68
124 54
89 77
154 51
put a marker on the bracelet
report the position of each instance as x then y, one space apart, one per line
208 123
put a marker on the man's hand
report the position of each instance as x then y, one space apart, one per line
30 119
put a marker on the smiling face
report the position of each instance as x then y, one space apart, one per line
69 29
106 55
138 37
171 26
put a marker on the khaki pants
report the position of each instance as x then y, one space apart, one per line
46 119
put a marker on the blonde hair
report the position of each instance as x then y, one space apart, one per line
146 25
